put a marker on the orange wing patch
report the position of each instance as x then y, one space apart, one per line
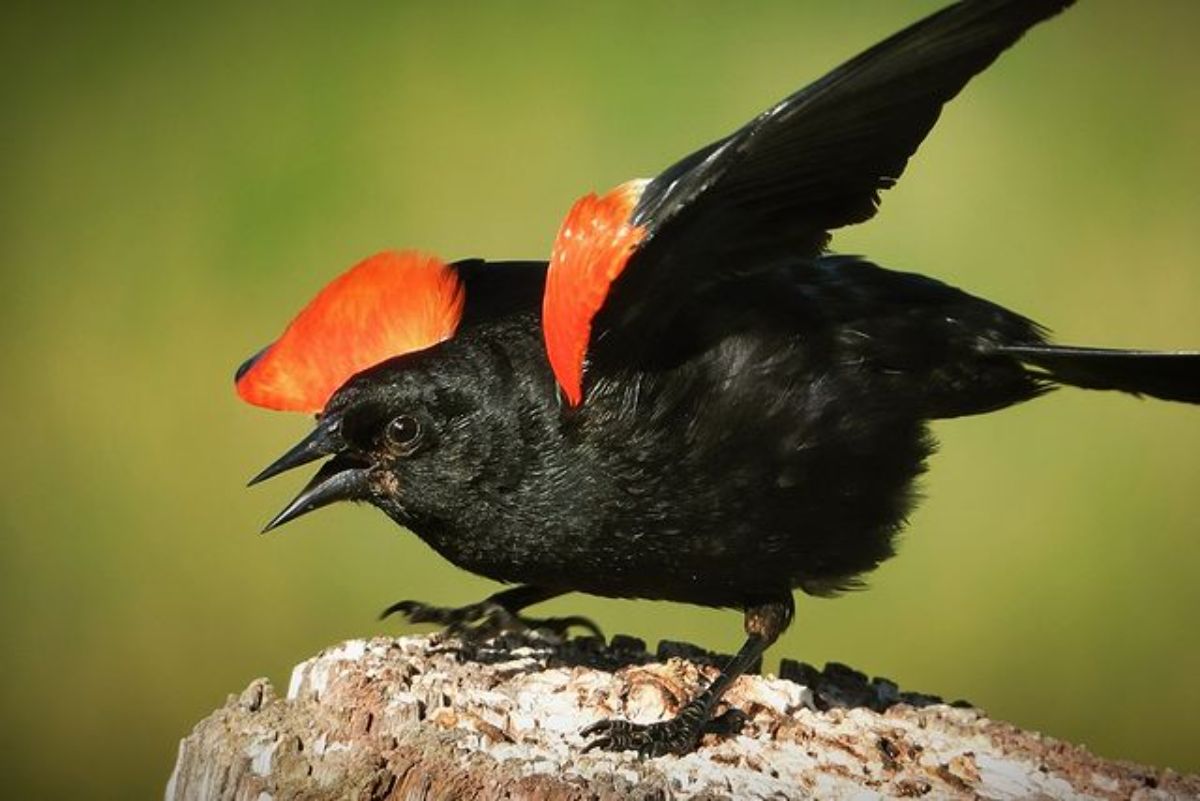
390 304
591 249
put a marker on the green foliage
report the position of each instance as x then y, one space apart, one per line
176 183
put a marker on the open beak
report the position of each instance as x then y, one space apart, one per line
342 478
321 442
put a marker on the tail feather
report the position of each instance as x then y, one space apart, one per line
1173 376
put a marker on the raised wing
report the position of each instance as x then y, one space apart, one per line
813 162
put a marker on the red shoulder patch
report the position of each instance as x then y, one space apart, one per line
390 304
591 249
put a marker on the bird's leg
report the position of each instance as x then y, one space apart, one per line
764 622
493 615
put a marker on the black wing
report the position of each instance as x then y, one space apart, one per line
813 162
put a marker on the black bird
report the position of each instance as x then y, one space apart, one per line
693 401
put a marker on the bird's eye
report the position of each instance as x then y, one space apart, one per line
403 433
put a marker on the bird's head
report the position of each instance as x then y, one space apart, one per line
399 436
394 419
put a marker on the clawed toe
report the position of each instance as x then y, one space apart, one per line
728 724
417 612
675 736
560 627
475 621
486 620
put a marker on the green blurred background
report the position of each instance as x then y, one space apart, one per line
177 181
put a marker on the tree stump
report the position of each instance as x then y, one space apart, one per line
421 718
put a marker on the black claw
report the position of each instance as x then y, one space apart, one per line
561 626
599 744
728 723
607 731
680 735
417 612
595 728
486 620
475 622
400 606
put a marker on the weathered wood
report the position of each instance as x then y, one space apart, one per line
410 718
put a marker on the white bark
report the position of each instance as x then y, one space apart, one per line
413 719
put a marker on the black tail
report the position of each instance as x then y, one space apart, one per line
1173 376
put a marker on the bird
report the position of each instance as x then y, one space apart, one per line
692 398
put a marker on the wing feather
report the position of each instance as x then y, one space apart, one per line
774 189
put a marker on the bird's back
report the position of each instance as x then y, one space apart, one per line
771 442
776 443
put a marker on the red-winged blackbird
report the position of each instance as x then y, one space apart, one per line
693 401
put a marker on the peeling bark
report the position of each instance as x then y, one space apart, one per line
414 718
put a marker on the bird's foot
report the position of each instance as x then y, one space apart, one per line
487 619
680 735
473 622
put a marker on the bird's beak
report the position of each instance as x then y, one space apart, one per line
342 478
321 442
